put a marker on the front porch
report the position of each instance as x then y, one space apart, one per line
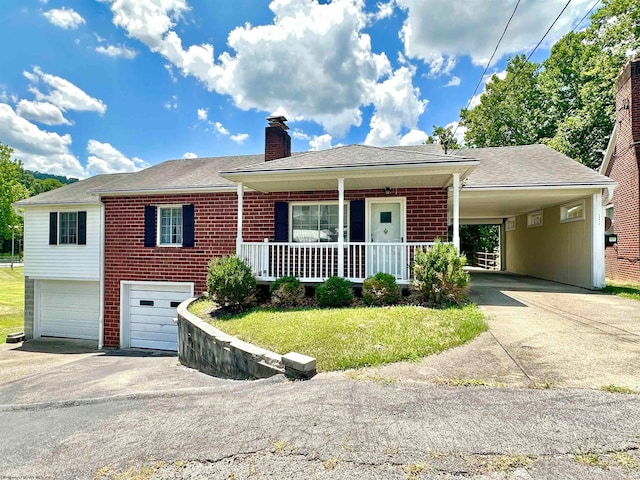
317 261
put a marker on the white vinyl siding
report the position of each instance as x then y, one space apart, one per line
71 261
68 309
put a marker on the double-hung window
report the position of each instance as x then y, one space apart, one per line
317 222
170 225
68 228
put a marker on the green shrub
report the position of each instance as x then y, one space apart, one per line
287 292
380 289
439 277
231 283
334 292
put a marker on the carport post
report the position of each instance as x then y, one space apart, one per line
456 211
597 242
240 205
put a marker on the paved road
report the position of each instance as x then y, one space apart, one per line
281 429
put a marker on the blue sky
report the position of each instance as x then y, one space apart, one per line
89 87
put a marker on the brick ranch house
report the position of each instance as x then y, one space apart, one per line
622 164
109 258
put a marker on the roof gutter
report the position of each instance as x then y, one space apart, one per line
563 186
165 191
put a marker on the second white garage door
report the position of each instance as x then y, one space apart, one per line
68 309
151 310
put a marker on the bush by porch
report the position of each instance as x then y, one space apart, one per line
351 337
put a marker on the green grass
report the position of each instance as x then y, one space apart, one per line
623 290
11 301
352 337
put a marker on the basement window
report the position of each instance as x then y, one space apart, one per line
534 219
572 212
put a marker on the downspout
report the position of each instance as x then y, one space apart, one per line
101 266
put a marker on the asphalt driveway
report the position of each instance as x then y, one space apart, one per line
540 334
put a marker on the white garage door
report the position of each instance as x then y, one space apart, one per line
152 308
69 309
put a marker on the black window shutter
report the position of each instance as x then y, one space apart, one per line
356 220
53 228
188 226
149 226
281 222
82 228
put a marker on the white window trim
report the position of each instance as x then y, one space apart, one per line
159 226
67 244
565 208
323 202
531 215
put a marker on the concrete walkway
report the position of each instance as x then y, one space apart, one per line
540 334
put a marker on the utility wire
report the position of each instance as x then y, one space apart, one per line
488 63
515 74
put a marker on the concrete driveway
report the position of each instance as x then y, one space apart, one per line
540 334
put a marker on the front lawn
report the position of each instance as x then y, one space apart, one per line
352 337
623 290
11 301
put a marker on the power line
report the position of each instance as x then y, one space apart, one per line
490 59
515 74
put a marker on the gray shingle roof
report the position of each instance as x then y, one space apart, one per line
75 193
350 156
522 166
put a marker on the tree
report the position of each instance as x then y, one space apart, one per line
11 190
40 186
567 101
444 137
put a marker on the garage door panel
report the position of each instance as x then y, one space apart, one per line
68 309
151 324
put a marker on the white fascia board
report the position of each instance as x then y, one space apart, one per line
165 191
585 186
95 204
610 148
343 170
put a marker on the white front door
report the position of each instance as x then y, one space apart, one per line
386 225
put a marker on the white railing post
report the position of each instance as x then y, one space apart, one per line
341 227
456 211
240 208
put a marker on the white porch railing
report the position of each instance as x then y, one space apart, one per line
315 262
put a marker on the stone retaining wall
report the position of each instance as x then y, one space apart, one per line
205 348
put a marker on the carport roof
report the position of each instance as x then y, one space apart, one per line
522 166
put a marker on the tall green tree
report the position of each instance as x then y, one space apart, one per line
568 100
11 190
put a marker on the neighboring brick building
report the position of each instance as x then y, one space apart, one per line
621 164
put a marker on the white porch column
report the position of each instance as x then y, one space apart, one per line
240 205
456 211
597 242
341 227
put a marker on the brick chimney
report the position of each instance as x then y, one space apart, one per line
622 260
277 142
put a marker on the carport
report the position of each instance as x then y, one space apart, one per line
549 207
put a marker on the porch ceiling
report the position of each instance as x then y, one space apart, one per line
506 202
354 178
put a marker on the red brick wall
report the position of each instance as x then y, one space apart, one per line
622 261
126 257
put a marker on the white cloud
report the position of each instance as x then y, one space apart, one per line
117 51
189 155
219 128
104 158
437 31
169 70
62 93
38 149
453 82
397 103
171 104
321 142
64 17
414 137
239 138
385 10
203 113
331 70
41 112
